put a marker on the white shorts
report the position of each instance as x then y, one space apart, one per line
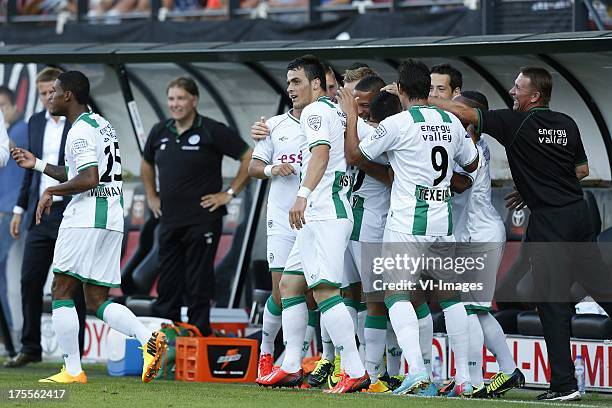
322 245
352 264
279 247
91 255
480 301
426 250
293 266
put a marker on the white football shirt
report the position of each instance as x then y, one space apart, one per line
92 141
370 198
421 143
323 123
281 146
474 217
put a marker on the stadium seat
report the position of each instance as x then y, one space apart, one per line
507 320
592 326
140 305
146 272
145 243
528 324
604 239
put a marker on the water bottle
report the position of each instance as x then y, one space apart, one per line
579 373
437 370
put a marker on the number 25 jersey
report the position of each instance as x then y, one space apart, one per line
422 143
92 141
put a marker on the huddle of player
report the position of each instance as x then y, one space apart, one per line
353 168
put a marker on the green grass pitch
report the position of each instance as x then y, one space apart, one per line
118 392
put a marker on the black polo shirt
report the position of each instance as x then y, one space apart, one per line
189 167
543 149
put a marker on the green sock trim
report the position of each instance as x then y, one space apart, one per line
422 311
313 317
273 307
446 303
292 301
56 304
376 322
393 299
351 303
327 304
100 312
362 306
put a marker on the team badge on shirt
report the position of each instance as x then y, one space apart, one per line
314 122
193 139
380 132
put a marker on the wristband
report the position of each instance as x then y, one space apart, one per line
230 191
268 170
304 192
40 165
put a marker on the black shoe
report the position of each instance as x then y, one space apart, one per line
573 395
447 389
319 375
392 382
21 360
502 383
480 393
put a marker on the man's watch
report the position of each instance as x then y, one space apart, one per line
231 192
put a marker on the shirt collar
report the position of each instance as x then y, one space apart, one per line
197 123
62 119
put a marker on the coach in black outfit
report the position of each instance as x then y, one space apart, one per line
187 151
46 139
547 160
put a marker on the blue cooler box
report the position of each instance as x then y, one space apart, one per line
131 363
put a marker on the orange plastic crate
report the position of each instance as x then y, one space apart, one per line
216 359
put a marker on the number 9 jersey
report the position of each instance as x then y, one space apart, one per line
92 141
422 143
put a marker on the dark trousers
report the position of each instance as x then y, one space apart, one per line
37 259
562 251
186 258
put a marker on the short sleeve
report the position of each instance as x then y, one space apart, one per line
381 141
580 156
226 140
315 125
466 151
82 144
501 124
264 149
148 152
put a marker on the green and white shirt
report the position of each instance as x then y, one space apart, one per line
92 141
323 123
282 146
370 198
422 143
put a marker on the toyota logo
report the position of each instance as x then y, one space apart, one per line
518 218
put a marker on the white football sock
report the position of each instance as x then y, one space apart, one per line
338 322
310 331
361 316
394 352
272 321
66 326
425 335
475 351
120 318
375 333
295 320
455 317
328 345
406 327
495 340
